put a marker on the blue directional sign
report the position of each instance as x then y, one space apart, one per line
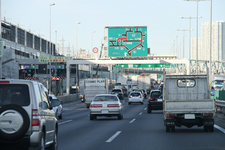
127 41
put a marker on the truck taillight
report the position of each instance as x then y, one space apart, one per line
4 81
170 115
151 99
96 105
113 105
208 114
35 118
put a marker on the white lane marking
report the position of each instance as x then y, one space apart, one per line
114 136
145 108
64 122
140 113
219 128
132 120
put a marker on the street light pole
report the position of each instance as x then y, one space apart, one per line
190 32
76 64
92 39
76 39
210 45
50 70
183 38
196 34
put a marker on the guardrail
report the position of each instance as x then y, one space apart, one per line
220 103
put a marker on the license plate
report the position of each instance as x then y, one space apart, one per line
105 111
189 116
159 100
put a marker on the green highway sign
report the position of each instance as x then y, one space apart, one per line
159 76
127 41
121 66
151 65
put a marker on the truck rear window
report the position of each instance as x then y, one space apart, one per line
183 83
14 94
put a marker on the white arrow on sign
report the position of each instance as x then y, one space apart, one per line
149 66
125 53
136 65
122 66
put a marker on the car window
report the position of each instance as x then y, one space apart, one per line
14 94
155 94
55 102
116 90
45 104
135 94
105 98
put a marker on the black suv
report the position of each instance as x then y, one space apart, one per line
155 101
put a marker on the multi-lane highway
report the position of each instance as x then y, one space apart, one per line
138 130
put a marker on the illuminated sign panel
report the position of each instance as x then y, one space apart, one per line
127 41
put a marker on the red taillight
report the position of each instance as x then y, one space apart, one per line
96 105
4 81
209 115
170 115
35 119
129 96
113 105
140 96
151 99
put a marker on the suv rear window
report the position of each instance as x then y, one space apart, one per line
14 94
135 94
155 94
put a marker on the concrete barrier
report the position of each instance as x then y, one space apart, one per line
69 98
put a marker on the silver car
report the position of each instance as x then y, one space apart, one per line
106 105
57 106
26 116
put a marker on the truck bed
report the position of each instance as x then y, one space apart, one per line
189 106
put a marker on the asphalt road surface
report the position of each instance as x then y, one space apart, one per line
137 131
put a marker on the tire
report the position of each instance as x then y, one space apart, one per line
129 103
54 145
120 116
211 128
167 129
206 128
24 127
142 103
60 117
41 145
173 128
149 109
92 117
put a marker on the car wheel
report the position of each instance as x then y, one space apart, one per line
173 128
41 145
54 145
167 129
17 122
206 128
211 128
120 116
129 103
92 117
142 103
149 109
60 117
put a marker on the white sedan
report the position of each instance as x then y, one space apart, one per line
136 97
56 104
106 105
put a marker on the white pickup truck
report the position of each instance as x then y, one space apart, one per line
187 102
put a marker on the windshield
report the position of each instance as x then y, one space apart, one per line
218 82
105 98
116 90
55 102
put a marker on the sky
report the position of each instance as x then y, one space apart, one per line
160 16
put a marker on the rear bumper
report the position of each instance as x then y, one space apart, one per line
156 105
26 141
